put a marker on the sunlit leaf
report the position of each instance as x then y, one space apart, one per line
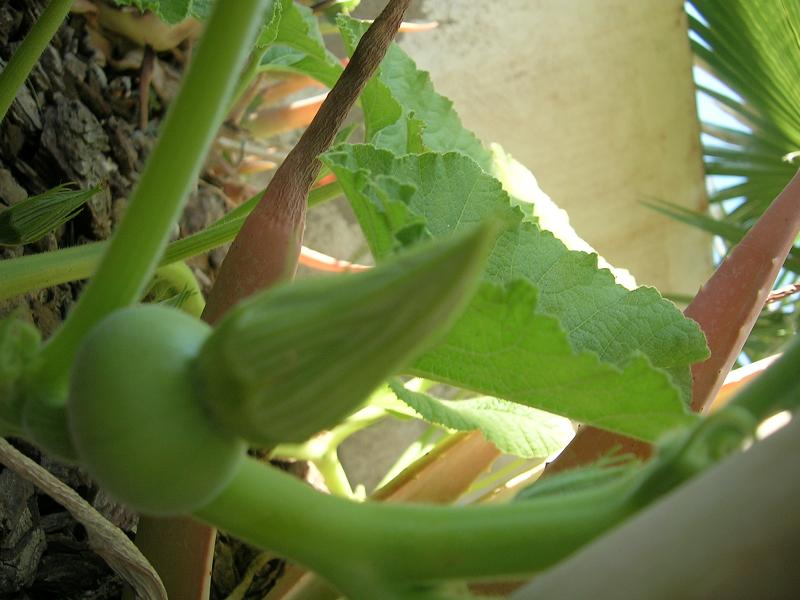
514 428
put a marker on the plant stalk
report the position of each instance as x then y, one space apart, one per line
24 59
267 248
190 127
728 305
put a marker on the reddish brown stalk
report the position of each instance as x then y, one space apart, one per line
590 444
253 164
181 550
329 178
738 378
145 79
267 248
726 308
784 292
728 305
407 27
418 27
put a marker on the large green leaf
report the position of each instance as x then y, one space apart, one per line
502 347
401 101
514 428
400 199
175 11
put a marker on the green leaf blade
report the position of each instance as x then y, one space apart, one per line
449 191
513 428
410 89
502 347
299 47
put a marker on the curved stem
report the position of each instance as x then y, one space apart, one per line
377 543
29 51
190 126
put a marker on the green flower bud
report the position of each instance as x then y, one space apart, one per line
298 358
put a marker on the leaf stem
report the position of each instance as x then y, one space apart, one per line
387 543
190 126
335 478
29 51
776 389
251 70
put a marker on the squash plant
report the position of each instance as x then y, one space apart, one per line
473 287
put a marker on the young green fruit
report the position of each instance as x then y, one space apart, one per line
135 418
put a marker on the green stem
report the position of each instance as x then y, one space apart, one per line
492 481
36 271
335 478
424 444
251 70
322 449
19 67
189 129
363 547
320 445
776 389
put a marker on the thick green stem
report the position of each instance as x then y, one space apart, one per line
379 543
172 168
29 51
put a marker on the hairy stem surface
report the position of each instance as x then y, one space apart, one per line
19 67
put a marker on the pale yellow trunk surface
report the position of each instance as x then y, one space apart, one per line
596 98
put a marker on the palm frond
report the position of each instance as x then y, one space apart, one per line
751 50
751 47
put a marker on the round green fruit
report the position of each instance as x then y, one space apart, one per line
135 418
